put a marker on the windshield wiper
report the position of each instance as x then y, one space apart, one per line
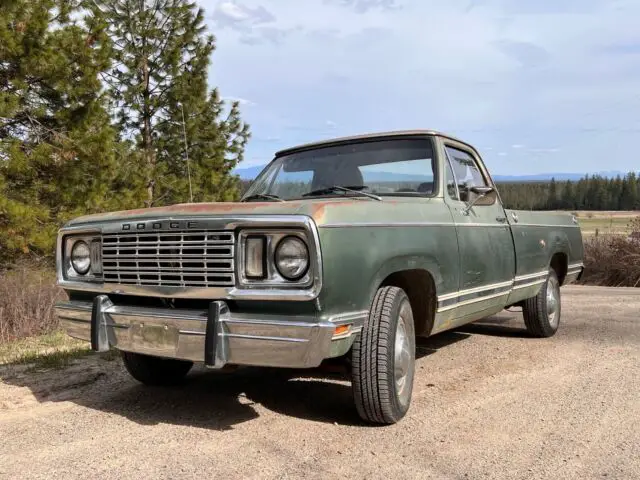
350 189
263 196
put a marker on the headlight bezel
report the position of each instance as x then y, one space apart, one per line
272 276
94 272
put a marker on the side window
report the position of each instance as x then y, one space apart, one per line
450 181
465 168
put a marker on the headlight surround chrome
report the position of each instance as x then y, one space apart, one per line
292 257
267 268
82 257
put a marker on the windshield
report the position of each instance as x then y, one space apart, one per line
398 167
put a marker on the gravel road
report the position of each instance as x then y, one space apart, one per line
488 403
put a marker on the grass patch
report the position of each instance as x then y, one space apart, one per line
52 350
605 223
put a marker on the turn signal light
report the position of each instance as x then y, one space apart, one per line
340 329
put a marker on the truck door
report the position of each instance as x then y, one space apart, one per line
487 257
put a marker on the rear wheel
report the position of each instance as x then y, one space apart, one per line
542 312
383 359
155 370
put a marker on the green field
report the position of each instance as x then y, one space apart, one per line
605 222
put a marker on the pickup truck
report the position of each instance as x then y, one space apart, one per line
346 248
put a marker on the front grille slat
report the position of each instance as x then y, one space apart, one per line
176 259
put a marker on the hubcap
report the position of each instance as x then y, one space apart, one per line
553 301
402 353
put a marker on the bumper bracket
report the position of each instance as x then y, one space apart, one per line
99 334
211 334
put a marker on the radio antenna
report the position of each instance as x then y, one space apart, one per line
186 152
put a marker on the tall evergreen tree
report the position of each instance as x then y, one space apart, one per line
162 54
55 138
552 202
568 200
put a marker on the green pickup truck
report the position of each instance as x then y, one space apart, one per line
349 248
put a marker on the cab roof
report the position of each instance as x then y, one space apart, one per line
367 136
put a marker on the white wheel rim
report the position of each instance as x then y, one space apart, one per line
402 353
553 301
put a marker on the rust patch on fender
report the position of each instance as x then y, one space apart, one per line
319 208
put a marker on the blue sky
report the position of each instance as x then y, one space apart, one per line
537 85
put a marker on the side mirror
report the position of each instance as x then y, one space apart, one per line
481 192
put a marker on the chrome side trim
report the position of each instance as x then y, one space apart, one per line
474 300
574 266
382 224
473 295
460 293
461 298
543 225
542 273
349 317
529 284
411 224
253 292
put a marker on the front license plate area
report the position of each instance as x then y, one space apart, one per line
155 338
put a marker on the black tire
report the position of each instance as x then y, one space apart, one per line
540 316
155 370
376 394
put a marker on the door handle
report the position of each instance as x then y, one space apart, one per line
501 219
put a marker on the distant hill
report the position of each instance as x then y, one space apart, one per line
249 173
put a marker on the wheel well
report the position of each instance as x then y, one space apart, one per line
559 263
419 286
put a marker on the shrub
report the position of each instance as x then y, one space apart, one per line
27 296
613 260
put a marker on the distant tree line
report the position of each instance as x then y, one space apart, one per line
588 193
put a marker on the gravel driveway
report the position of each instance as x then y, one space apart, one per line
488 403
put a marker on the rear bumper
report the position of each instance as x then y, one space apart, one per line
216 336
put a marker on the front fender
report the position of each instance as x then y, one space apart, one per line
412 262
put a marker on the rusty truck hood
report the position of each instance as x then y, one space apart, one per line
314 208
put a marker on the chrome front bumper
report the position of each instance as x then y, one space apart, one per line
216 337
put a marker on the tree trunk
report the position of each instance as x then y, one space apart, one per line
147 146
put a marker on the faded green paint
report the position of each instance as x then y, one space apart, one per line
358 257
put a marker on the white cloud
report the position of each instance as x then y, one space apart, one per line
544 150
240 100
239 16
505 73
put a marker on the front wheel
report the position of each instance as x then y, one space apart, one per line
383 359
152 370
542 312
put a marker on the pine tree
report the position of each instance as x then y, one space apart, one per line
162 54
552 202
567 200
55 138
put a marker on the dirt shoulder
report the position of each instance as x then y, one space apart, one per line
488 403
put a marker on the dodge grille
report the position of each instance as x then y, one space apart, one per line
181 259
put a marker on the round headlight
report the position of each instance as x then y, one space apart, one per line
81 257
292 258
